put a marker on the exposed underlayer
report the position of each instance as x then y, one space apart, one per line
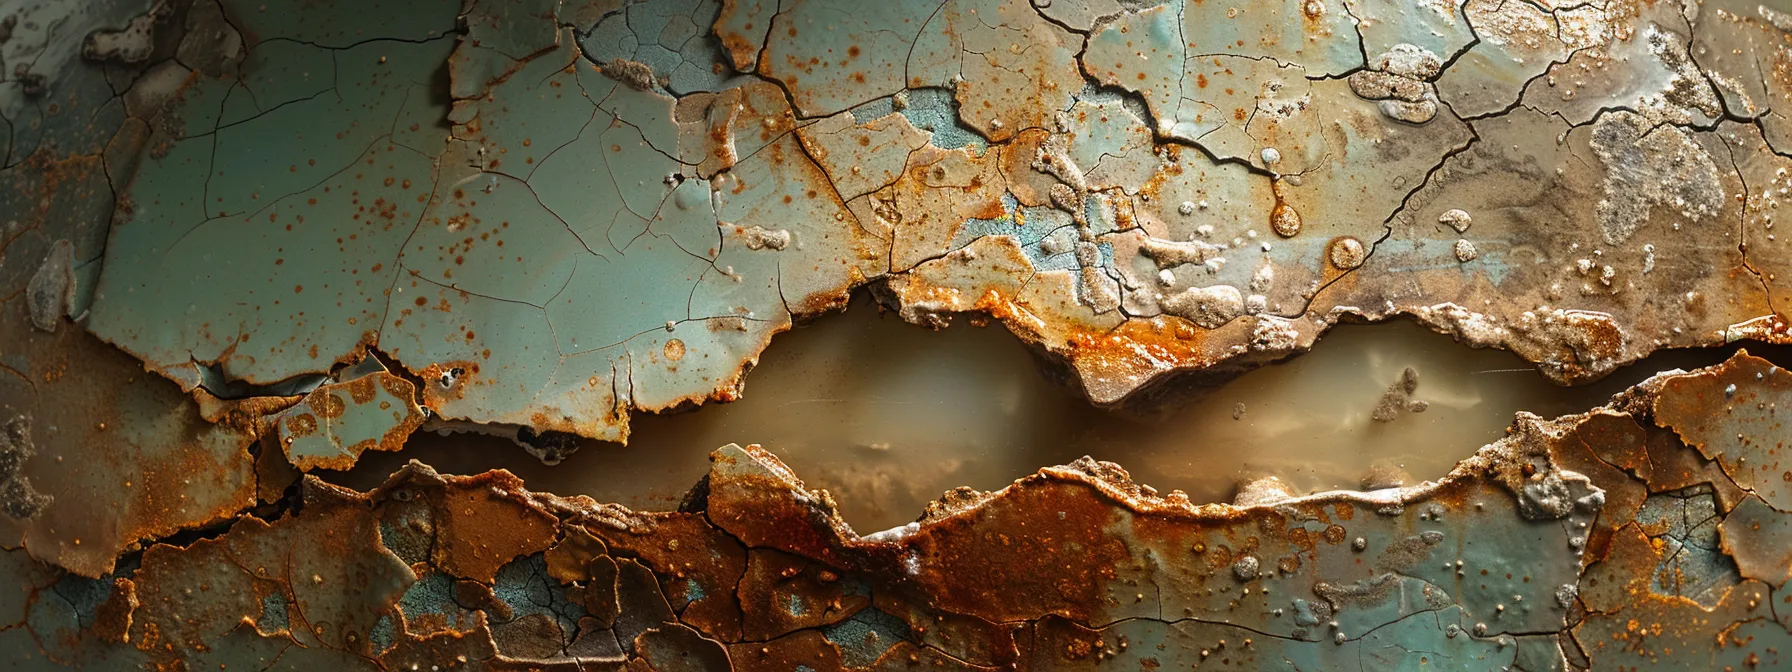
247 240
556 215
1655 534
887 416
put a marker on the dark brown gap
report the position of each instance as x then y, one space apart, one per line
887 416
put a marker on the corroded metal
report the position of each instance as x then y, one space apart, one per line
246 240
1072 567
594 209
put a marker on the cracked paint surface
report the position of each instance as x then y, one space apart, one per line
1639 551
247 240
1135 194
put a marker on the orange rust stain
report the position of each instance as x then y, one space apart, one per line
362 389
326 404
1006 564
301 424
1167 340
458 374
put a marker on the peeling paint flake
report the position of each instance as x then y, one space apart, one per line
1338 580
242 244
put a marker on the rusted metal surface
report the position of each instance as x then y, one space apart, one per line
560 214
1072 567
246 240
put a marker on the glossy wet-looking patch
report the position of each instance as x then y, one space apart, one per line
887 416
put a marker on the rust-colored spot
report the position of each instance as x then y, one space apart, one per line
301 424
326 404
362 390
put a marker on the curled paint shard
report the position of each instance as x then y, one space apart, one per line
99 454
1753 396
335 423
1072 567
51 291
116 455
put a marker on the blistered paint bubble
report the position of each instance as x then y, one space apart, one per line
1245 568
1455 219
1210 307
1465 251
1284 220
1347 253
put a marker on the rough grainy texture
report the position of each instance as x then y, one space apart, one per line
557 214
242 240
1638 550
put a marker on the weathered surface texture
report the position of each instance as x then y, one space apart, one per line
241 240
553 214
1608 540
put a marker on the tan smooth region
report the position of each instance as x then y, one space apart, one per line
887 416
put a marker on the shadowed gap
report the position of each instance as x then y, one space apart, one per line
887 416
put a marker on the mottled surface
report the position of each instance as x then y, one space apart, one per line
593 210
1623 558
244 240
